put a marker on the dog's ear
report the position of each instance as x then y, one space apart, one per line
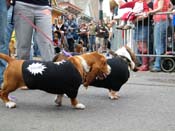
59 57
90 76
102 61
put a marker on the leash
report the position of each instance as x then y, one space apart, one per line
34 26
68 54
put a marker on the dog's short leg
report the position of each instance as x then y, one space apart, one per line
113 95
5 99
58 99
77 105
4 96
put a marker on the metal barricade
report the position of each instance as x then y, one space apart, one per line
130 37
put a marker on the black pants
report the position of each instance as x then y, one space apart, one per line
71 44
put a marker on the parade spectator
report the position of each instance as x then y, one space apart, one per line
109 30
71 28
83 33
160 27
142 35
38 13
139 7
3 28
92 35
10 22
101 33
58 36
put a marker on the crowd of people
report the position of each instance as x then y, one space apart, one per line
141 15
67 32
31 21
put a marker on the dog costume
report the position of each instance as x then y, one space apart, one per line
118 76
57 78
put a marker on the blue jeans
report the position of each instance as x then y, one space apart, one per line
10 24
3 27
92 42
141 33
159 40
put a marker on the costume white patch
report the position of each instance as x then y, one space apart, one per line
60 62
36 68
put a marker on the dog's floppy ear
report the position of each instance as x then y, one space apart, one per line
90 76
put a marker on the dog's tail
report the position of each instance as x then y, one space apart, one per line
7 58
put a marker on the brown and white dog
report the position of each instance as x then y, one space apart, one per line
121 62
63 77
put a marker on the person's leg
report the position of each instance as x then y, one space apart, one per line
90 42
145 60
10 24
3 45
43 22
23 30
71 45
159 41
142 47
70 42
94 42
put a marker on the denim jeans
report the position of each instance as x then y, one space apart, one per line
92 42
3 28
159 40
10 24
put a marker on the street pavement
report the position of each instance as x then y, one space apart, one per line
146 104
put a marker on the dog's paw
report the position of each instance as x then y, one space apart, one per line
80 106
114 97
10 104
85 85
58 100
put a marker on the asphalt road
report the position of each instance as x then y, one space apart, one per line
146 104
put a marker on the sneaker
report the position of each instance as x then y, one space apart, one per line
155 69
120 26
127 27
